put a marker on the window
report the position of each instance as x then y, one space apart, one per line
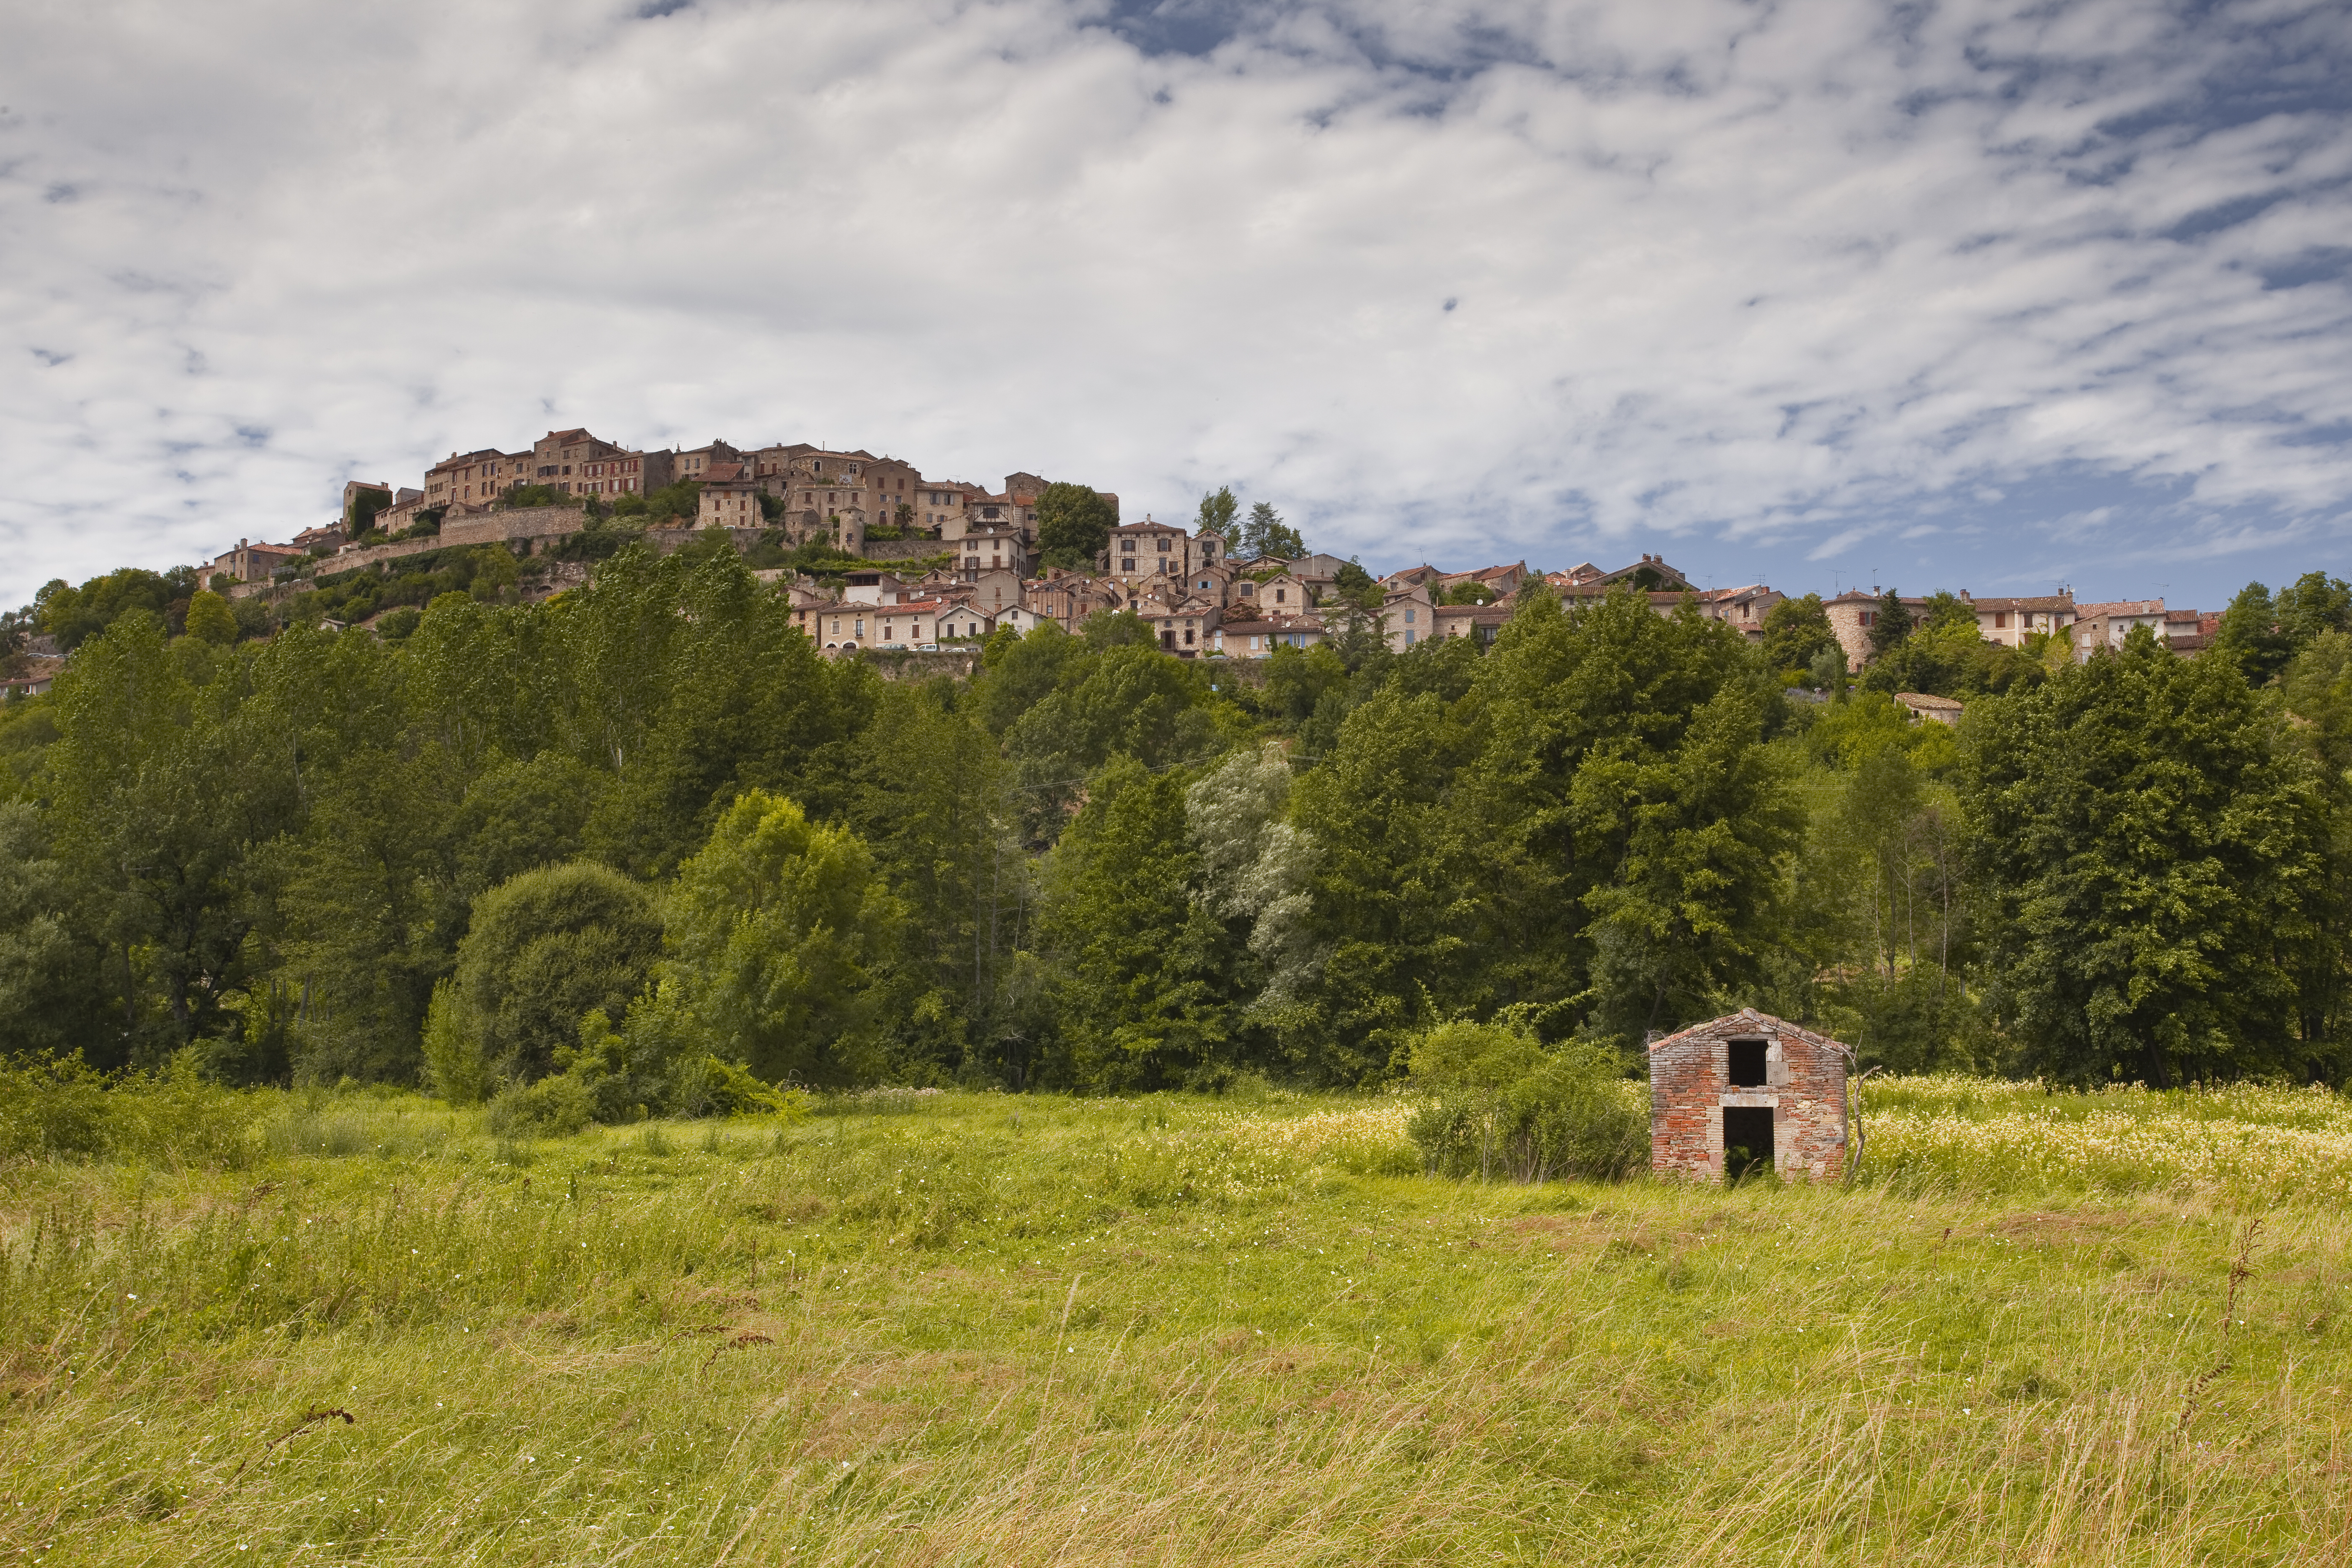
1408 617
1280 594
1164 544
1408 639
2000 620
1746 1064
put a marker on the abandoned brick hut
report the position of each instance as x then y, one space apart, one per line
1748 1080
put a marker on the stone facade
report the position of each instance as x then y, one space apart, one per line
1745 1063
1851 615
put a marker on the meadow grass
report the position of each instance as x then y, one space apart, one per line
953 1328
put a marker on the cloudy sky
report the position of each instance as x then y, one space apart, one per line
1983 294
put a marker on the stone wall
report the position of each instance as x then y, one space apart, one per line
908 664
904 549
670 540
506 527
1690 1089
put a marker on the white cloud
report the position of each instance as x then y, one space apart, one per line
1761 283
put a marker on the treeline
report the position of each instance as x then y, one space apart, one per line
642 848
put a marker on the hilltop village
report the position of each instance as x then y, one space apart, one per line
876 555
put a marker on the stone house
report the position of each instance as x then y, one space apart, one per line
1317 569
993 547
577 463
1500 580
696 463
1213 583
473 478
1138 550
1751 1081
1019 512
1741 609
994 591
808 607
251 563
1482 622
1255 638
1852 616
1282 594
729 498
942 506
2007 621
1650 575
912 622
1921 705
959 622
1066 598
831 634
1183 624
879 588
2107 625
1407 616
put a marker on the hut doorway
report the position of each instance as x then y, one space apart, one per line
1746 1141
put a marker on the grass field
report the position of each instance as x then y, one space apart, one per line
988 1328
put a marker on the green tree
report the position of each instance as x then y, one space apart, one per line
1267 535
2262 635
1132 701
1893 625
73 615
544 949
1388 889
1145 967
2150 841
160 786
2315 604
2317 687
52 988
1352 583
210 619
1074 525
1218 509
1629 817
1795 630
780 930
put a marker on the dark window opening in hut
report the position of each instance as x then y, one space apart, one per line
1747 1064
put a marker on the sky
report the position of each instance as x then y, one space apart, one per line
1981 295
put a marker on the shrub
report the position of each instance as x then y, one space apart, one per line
52 1108
551 1107
546 948
455 1067
61 1107
1500 1102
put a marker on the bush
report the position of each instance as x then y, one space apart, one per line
1501 1104
455 1067
61 1107
545 949
51 1109
551 1107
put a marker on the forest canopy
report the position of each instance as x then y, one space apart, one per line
642 847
